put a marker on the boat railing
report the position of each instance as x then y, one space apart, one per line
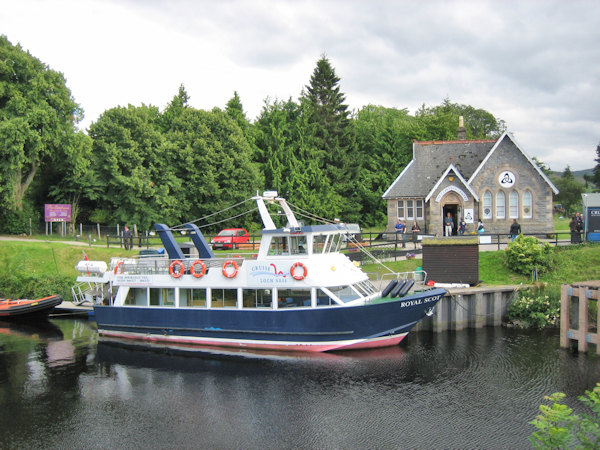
419 276
158 266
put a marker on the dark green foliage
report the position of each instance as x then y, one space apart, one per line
570 192
526 254
538 307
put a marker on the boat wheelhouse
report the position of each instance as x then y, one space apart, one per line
299 292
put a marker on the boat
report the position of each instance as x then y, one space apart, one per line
298 293
21 308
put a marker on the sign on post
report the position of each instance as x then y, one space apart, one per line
57 213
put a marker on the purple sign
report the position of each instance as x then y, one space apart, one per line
57 213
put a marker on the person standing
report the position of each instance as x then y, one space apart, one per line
401 231
574 227
127 238
448 224
415 233
462 226
480 227
515 229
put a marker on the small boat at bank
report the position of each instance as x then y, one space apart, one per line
298 293
21 308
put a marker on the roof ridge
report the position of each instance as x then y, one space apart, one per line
458 141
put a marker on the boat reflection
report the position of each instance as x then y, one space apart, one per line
36 330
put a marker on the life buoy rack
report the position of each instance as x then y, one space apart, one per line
226 272
119 264
173 272
202 272
298 276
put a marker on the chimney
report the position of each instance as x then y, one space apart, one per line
462 131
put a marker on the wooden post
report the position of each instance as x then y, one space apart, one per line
583 292
565 316
583 319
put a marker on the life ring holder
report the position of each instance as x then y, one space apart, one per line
293 271
119 264
226 265
173 273
202 272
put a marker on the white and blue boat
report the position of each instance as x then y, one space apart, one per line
298 293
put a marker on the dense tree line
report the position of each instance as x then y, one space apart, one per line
139 165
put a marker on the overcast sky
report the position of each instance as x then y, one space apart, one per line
533 63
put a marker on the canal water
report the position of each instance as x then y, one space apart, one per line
60 387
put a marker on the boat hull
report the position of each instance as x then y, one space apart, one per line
28 308
378 324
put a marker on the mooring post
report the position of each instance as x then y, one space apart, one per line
565 316
583 319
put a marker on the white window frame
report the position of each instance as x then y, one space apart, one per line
410 209
513 205
420 209
487 203
527 203
401 210
500 205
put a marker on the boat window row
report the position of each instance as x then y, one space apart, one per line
298 245
246 298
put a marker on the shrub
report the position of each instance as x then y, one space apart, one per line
538 308
558 427
527 253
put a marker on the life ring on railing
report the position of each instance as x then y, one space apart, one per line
119 264
293 270
193 269
172 271
235 266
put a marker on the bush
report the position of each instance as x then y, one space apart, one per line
558 427
538 308
525 254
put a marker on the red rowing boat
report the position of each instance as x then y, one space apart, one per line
24 308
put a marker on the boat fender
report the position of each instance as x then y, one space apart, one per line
389 288
300 276
406 288
202 271
227 273
176 273
396 290
119 264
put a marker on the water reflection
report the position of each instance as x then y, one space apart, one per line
474 388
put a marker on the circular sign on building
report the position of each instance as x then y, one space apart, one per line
507 179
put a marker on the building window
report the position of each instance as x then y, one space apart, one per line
401 209
410 210
419 209
487 205
527 205
500 205
513 205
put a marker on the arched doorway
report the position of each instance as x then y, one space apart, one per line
454 209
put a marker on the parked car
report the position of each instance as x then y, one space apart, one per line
230 238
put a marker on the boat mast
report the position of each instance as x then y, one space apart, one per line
271 197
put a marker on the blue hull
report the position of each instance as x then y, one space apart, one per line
306 329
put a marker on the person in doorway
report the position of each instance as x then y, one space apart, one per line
462 226
515 229
127 238
401 231
448 224
415 233
480 227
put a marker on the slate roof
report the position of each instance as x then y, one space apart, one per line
430 161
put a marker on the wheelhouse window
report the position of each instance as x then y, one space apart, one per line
279 246
344 293
513 205
487 205
298 245
527 205
319 243
334 243
500 205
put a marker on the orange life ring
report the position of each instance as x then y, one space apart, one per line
293 269
172 269
228 263
193 269
117 267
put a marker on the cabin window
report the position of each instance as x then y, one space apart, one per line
335 241
192 297
345 293
366 288
513 205
323 299
223 298
500 205
319 243
279 246
527 205
487 205
401 209
257 298
162 297
137 297
298 245
293 298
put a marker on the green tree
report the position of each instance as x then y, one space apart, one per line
37 122
596 174
570 191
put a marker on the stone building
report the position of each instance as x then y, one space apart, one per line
491 180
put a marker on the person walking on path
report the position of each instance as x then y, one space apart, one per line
448 224
515 229
415 233
127 238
